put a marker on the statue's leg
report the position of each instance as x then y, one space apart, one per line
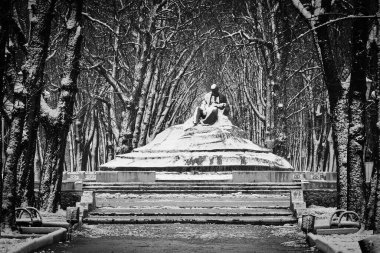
197 115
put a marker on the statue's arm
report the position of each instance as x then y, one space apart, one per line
223 103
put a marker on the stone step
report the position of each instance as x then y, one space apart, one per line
194 181
187 183
232 208
189 189
151 191
193 186
118 200
254 220
176 211
270 205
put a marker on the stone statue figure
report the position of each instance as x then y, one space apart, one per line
213 104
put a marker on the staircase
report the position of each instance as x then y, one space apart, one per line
192 201
191 187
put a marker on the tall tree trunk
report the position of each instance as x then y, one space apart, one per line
142 102
336 89
32 71
372 214
59 120
13 153
149 109
52 167
339 110
356 98
5 16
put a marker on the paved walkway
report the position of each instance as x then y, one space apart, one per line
184 238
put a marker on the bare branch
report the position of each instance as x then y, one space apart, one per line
302 9
98 22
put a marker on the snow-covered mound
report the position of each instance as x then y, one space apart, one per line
221 146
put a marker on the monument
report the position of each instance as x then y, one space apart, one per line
207 142
190 170
218 147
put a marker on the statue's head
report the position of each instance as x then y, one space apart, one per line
214 89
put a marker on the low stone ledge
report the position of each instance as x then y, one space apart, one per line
125 176
263 176
56 236
338 243
318 184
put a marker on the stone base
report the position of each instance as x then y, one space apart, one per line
263 176
125 176
185 169
297 202
315 179
87 203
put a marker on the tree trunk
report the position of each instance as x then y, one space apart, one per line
356 98
13 153
52 168
149 109
142 103
338 106
5 16
32 71
336 89
59 120
372 213
88 140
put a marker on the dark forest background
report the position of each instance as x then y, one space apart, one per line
82 81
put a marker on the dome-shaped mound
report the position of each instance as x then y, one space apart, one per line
220 147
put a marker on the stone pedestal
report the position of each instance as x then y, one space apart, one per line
297 202
87 203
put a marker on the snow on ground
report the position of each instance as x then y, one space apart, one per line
345 243
9 244
186 196
193 176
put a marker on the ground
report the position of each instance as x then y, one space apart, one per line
185 238
7 244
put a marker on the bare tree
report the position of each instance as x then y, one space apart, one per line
26 84
57 121
337 90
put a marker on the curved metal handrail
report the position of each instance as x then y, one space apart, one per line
34 212
21 211
336 214
34 215
347 213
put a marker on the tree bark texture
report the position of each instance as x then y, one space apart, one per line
32 72
57 121
149 109
375 182
9 191
5 16
142 103
356 98
338 104
372 214
27 85
52 168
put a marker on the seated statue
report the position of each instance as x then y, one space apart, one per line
212 104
